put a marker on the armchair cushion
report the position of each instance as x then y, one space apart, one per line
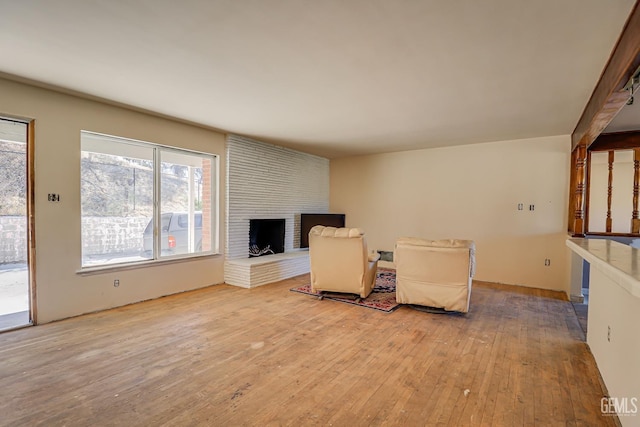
445 243
435 273
340 261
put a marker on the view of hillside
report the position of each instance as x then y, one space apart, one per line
13 170
111 185
123 187
115 186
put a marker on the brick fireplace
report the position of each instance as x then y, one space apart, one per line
267 182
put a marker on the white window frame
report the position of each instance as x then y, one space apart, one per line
157 256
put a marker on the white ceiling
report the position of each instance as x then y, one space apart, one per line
331 77
627 119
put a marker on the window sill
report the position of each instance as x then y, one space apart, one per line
87 271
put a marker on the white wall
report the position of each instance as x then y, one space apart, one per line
59 118
468 192
267 181
614 338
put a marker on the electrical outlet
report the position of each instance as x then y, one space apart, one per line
532 207
53 197
609 333
116 283
547 262
520 206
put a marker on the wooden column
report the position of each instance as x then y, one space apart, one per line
635 222
579 171
609 191
587 191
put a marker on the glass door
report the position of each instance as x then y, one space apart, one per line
14 268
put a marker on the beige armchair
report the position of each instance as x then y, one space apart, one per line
340 261
434 273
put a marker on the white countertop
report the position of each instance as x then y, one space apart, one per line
619 262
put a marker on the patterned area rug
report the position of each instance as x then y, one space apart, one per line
383 296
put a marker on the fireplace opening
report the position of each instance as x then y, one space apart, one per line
266 237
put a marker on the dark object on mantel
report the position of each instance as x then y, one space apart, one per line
308 221
386 256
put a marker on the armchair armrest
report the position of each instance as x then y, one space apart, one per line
374 256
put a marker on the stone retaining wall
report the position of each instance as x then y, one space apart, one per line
112 235
101 235
13 239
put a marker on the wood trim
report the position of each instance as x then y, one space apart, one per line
635 222
31 222
572 191
616 141
587 191
609 221
609 97
578 199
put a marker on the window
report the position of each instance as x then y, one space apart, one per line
142 201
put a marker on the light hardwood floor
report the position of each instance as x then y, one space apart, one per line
267 356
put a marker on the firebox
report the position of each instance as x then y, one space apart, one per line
266 236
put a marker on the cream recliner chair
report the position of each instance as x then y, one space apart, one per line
340 261
434 273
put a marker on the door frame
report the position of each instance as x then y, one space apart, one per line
31 222
30 235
